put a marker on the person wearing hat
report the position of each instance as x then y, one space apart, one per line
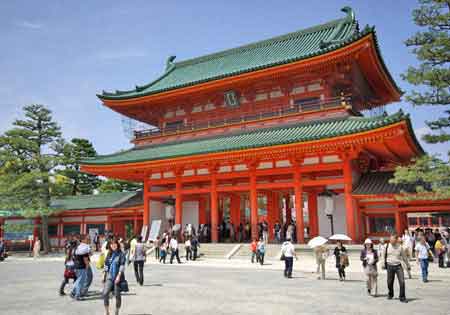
369 258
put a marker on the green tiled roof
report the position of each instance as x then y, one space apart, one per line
103 200
378 183
260 55
300 132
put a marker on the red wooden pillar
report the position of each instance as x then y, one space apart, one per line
287 198
313 216
253 204
60 232
146 214
202 219
214 208
298 190
273 212
235 209
398 223
135 223
178 200
350 211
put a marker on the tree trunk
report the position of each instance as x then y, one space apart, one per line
44 234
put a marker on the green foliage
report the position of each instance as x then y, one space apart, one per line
432 78
112 185
29 152
430 176
78 182
8 227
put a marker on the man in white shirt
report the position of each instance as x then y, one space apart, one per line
288 252
422 250
174 250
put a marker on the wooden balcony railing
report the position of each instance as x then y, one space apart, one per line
299 107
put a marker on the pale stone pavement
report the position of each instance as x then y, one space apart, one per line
218 286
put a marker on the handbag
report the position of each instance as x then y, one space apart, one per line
123 286
69 274
282 257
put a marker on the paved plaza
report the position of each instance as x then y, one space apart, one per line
216 286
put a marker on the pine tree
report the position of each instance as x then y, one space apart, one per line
73 152
29 152
432 78
112 185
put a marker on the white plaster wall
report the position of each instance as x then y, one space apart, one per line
339 217
190 213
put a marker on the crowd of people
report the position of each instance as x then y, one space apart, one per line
394 256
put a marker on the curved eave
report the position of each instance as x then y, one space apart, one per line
138 168
368 40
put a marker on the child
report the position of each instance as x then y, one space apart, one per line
69 271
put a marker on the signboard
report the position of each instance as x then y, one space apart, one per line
144 232
154 230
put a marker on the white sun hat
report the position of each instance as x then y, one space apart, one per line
368 241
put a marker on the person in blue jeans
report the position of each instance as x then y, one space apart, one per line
81 260
422 252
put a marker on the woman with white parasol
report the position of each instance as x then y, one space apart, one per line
340 252
320 253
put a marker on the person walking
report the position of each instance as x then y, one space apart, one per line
405 263
81 265
188 249
393 257
277 232
422 253
114 275
261 248
163 253
195 245
139 258
408 243
37 248
254 250
174 250
380 250
2 249
369 258
439 249
157 245
340 253
321 254
69 270
288 254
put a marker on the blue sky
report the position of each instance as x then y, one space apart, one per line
61 53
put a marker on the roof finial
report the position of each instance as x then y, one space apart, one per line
169 62
350 13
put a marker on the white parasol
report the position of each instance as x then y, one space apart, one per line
340 237
317 241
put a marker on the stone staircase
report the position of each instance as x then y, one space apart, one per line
272 251
218 250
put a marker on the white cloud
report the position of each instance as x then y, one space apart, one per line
29 25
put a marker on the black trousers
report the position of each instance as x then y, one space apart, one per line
188 253
157 252
341 271
64 283
173 254
139 271
391 272
288 263
441 259
194 251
